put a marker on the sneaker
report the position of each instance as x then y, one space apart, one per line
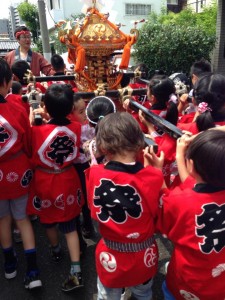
33 218
32 280
72 282
166 267
11 270
17 236
55 256
123 294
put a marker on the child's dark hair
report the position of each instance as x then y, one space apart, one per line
119 132
98 108
163 89
5 72
207 151
210 89
143 69
19 69
76 98
57 62
125 80
199 67
58 100
16 87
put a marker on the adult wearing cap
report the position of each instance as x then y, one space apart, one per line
38 63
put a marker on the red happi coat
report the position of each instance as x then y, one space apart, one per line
18 99
188 118
44 85
193 219
15 134
56 197
167 144
192 127
123 200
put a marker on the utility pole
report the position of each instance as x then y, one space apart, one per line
218 60
44 30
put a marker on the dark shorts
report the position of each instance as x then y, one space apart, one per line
64 227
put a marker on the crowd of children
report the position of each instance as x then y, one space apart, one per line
92 159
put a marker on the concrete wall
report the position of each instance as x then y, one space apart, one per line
115 8
197 5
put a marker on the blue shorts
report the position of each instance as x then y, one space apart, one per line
14 207
166 292
140 292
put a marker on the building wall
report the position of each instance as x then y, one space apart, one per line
4 28
64 8
177 6
197 5
14 20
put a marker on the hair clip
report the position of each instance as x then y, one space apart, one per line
173 98
203 107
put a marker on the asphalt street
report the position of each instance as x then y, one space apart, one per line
53 274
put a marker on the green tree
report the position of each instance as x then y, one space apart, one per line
29 14
172 42
207 18
58 46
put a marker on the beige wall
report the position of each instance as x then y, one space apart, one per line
196 5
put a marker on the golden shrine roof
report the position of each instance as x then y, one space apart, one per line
91 42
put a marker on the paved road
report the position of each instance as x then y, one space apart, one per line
52 274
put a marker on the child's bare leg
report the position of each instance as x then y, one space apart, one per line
27 233
74 280
7 248
32 279
5 231
53 236
73 246
55 247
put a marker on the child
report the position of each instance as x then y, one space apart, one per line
96 109
98 106
57 185
16 174
17 88
192 216
123 198
19 69
209 97
161 94
59 68
162 97
81 163
185 106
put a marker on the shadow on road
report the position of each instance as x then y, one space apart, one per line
53 274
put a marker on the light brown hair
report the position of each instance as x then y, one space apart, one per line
119 132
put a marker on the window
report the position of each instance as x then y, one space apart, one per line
137 9
203 2
172 2
54 4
